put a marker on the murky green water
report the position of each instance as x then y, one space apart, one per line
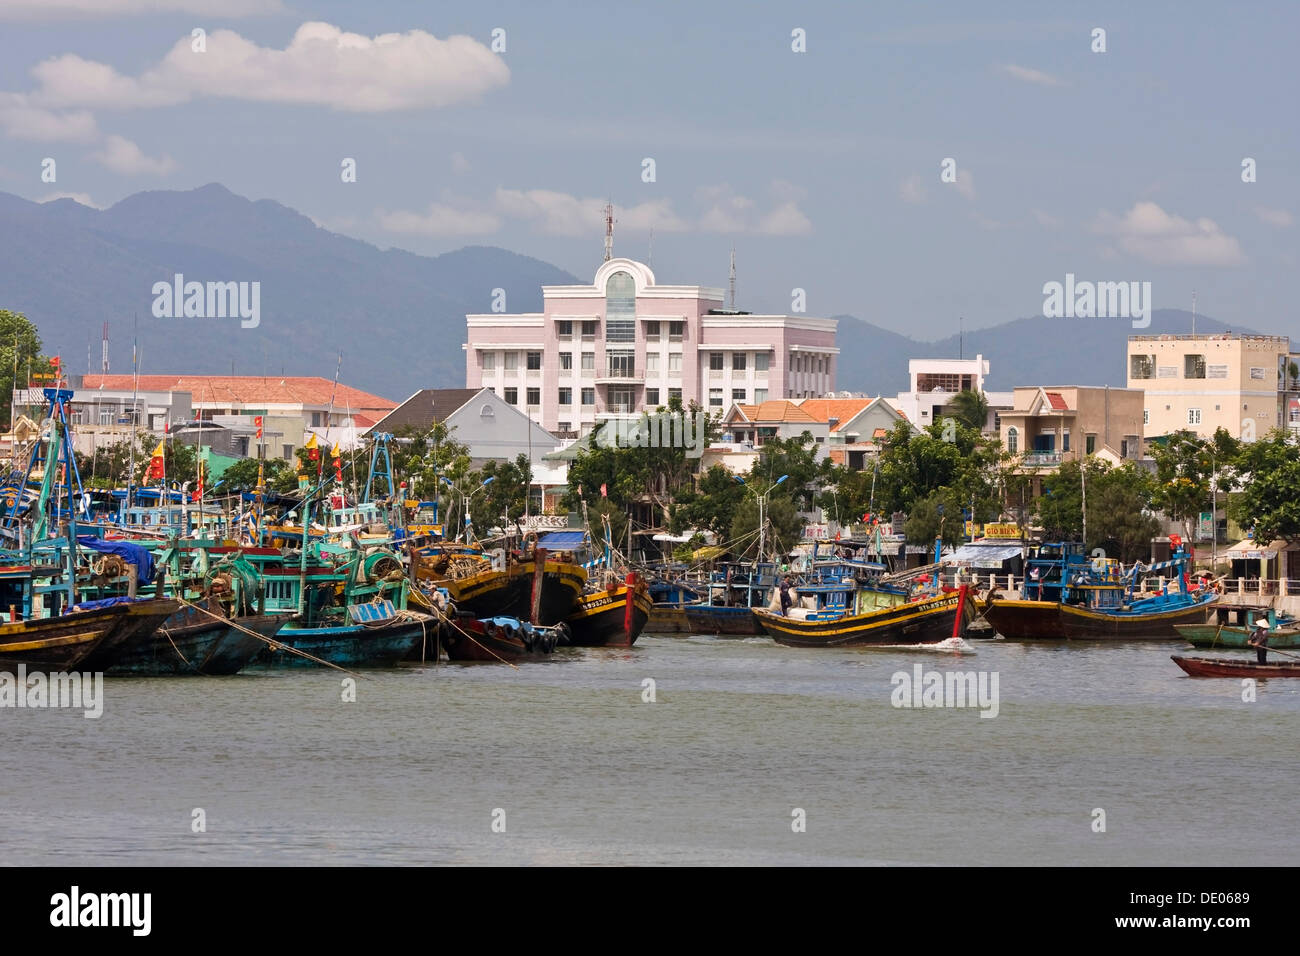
742 733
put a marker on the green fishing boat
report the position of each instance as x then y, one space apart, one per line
1222 635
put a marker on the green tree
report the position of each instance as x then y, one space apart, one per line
1185 467
1269 500
709 507
20 350
1119 517
784 526
242 475
937 514
970 408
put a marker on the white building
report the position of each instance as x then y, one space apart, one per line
936 381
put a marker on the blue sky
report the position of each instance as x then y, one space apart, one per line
822 168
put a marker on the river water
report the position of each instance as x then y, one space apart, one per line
574 766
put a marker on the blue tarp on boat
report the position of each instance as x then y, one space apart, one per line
130 553
104 602
562 540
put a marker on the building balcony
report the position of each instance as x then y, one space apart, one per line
621 378
1039 459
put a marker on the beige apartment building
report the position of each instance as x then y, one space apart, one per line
1049 425
1199 383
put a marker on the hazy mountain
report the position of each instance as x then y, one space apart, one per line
1030 351
398 318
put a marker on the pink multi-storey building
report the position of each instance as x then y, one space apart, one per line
625 343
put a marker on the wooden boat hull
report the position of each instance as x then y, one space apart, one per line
140 623
604 618
1212 635
1025 620
190 642
349 645
1081 623
917 622
1222 667
716 619
667 619
469 641
508 593
56 643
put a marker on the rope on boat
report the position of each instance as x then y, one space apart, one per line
167 634
446 620
277 645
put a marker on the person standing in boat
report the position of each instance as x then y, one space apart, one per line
1259 640
786 599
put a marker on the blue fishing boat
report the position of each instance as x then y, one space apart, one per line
735 591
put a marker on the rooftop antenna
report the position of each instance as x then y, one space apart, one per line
609 231
1193 312
103 361
733 278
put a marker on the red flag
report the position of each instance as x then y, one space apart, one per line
602 491
257 420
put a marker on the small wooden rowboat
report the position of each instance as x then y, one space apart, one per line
1226 667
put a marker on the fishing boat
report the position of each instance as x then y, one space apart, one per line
735 591
138 625
883 614
1222 635
1112 612
59 643
532 583
611 615
669 599
1035 614
196 641
1226 667
498 639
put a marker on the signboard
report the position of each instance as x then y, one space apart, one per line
1205 527
1257 372
1216 371
1007 530
1167 371
972 529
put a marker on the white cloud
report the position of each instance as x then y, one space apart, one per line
322 65
59 9
1274 217
965 183
440 220
459 164
912 190
1030 75
1046 219
785 220
83 198
123 156
21 120
1150 233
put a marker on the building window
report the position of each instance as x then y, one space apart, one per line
487 412
652 331
564 426
589 396
1065 440
288 452
589 329
534 396
761 361
737 361
621 364
512 396
1141 366
620 308
652 397
1193 416
1146 416
534 361
1194 366
512 361
715 361
589 361
675 331
674 394
1090 445
738 395
566 360
1013 440
566 396
489 361
674 361
564 328
652 361
715 398
792 362
760 396
621 398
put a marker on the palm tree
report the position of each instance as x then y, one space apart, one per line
970 408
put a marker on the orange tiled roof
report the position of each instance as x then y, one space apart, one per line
824 409
249 389
1056 401
776 410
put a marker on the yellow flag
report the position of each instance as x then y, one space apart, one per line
334 452
159 451
311 442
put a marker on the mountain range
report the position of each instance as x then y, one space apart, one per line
397 318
